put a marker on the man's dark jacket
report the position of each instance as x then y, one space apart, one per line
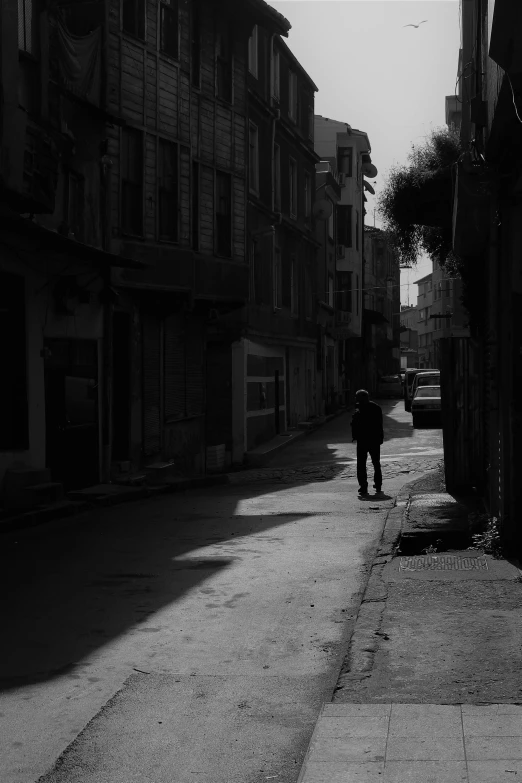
367 424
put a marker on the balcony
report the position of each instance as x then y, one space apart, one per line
172 269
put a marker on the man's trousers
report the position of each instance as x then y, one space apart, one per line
374 450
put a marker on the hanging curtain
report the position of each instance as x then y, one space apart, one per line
80 62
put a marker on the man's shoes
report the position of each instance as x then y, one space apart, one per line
363 491
378 489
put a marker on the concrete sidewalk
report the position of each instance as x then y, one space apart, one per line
431 690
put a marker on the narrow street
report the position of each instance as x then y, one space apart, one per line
192 636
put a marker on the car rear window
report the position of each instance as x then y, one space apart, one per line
428 391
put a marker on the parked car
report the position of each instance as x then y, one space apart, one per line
426 404
411 372
390 386
425 378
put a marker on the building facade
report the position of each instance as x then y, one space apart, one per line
409 336
381 313
55 258
275 357
426 324
486 230
124 136
334 304
349 150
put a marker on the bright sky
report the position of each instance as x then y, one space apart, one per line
388 80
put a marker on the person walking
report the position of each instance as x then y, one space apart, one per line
367 430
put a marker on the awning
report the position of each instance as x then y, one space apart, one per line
374 317
52 242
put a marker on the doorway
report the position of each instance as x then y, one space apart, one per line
71 412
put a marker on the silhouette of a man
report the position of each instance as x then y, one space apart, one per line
367 430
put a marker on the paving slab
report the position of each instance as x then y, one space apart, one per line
417 743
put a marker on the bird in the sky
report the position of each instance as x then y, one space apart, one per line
415 25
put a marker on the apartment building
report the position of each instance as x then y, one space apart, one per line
426 324
349 149
409 336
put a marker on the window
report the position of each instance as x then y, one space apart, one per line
330 290
133 20
344 224
277 178
276 279
168 190
169 27
74 204
422 314
345 160
308 197
292 205
131 181
357 294
308 292
224 65
276 76
252 52
26 20
292 96
195 205
294 287
356 229
14 434
344 294
223 214
253 158
195 51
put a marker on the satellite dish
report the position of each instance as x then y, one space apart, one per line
323 208
369 170
368 187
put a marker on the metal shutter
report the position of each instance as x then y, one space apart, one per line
174 368
195 375
151 384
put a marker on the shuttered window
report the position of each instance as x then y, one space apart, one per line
168 190
133 17
25 25
132 181
169 27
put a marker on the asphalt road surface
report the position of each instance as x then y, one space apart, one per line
191 636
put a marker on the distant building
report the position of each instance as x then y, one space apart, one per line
274 357
334 301
349 150
381 303
426 324
447 312
409 336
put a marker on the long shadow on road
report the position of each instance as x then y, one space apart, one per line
73 586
